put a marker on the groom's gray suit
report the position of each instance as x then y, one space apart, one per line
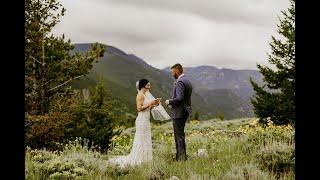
181 109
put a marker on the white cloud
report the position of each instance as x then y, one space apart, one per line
165 32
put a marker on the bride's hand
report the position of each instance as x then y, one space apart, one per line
158 100
152 106
153 103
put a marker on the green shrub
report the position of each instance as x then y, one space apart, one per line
75 161
277 157
94 119
116 171
246 172
156 174
46 130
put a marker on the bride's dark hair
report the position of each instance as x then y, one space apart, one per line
142 83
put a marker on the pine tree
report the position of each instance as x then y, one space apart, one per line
276 99
95 119
49 65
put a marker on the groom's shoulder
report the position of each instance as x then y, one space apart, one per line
185 79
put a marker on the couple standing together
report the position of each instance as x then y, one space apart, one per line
180 105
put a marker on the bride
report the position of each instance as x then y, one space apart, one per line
142 146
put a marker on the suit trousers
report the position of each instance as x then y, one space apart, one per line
179 137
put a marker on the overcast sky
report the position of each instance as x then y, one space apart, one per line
221 33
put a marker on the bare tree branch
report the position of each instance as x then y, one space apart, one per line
47 82
65 83
36 60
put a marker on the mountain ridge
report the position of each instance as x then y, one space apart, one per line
121 71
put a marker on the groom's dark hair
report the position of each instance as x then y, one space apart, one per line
142 83
178 66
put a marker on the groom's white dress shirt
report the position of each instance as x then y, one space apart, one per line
180 77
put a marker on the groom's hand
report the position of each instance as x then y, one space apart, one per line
167 103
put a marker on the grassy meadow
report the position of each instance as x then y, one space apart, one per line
233 149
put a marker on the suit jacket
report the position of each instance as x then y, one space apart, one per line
181 98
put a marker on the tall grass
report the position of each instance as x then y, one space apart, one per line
237 149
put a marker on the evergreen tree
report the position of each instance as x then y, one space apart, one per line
50 68
49 65
276 99
95 119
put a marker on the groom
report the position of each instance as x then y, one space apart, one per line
181 108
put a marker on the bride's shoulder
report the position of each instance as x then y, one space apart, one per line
140 95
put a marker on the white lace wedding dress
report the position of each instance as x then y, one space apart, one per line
142 145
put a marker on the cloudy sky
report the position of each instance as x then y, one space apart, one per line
221 33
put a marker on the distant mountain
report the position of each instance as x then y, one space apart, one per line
226 102
226 89
121 71
211 78
110 50
216 91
